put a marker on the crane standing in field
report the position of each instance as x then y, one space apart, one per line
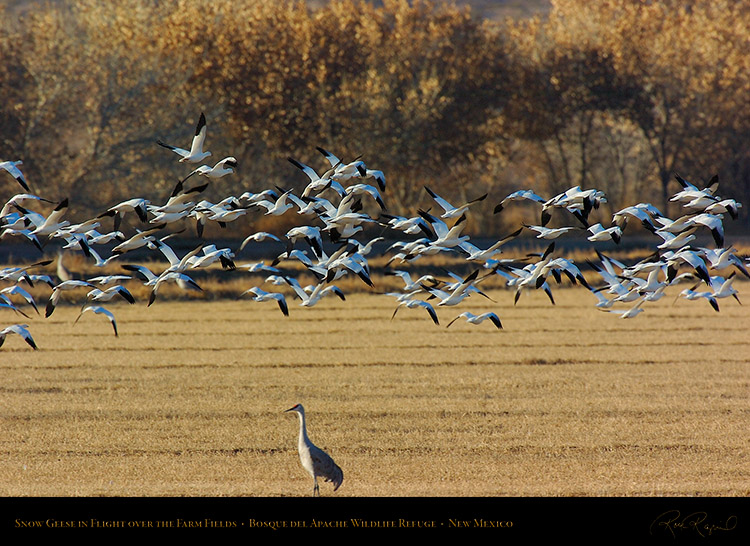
316 461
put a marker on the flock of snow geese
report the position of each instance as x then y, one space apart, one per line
332 213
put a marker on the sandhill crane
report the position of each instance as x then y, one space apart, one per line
63 273
316 461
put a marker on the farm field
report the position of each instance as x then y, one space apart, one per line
565 400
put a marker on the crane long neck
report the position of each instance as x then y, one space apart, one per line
303 439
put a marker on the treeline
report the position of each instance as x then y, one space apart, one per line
616 95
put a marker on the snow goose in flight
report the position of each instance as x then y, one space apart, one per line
110 293
458 292
628 313
296 254
182 280
690 191
416 304
550 233
620 218
725 205
14 221
17 290
342 172
53 222
262 295
195 154
410 226
17 274
617 285
139 240
95 238
600 233
528 277
26 218
276 208
317 183
476 254
476 319
257 237
99 310
258 267
210 255
450 210
356 264
379 177
146 275
576 201
691 257
176 263
249 197
410 284
222 168
702 202
691 294
19 329
17 200
458 280
675 242
365 249
602 301
103 280
54 298
517 196
26 233
358 189
345 226
565 266
723 258
311 234
137 205
417 251
180 198
330 290
6 303
722 288
713 222
309 299
12 168
446 237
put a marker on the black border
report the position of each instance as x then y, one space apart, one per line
655 520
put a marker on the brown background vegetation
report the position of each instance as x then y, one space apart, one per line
612 95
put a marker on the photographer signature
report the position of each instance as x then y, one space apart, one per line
674 522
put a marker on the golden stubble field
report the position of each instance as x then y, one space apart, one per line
564 401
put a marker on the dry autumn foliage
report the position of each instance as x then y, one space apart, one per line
651 87
613 95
